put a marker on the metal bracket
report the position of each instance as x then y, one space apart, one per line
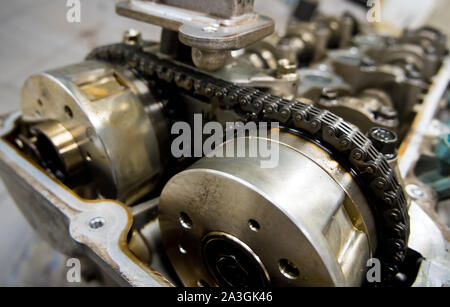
204 30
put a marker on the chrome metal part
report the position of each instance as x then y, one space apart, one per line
63 218
60 151
207 26
324 127
112 124
283 82
90 150
304 222
132 37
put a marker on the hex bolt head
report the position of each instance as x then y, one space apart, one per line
384 141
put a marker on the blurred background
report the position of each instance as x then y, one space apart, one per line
35 36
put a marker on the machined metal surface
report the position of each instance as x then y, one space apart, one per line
85 160
59 150
314 81
223 8
76 227
114 121
367 164
200 27
305 222
283 83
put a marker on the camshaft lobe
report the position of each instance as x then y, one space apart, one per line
352 148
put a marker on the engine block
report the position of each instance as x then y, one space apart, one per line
228 155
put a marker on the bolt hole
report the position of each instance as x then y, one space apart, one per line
182 250
253 225
202 283
288 269
40 102
68 111
185 221
97 223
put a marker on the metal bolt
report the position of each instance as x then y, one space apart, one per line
285 67
132 37
384 140
97 223
415 191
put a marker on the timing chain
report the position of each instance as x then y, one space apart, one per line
369 166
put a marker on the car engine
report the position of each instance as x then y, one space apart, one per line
229 155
